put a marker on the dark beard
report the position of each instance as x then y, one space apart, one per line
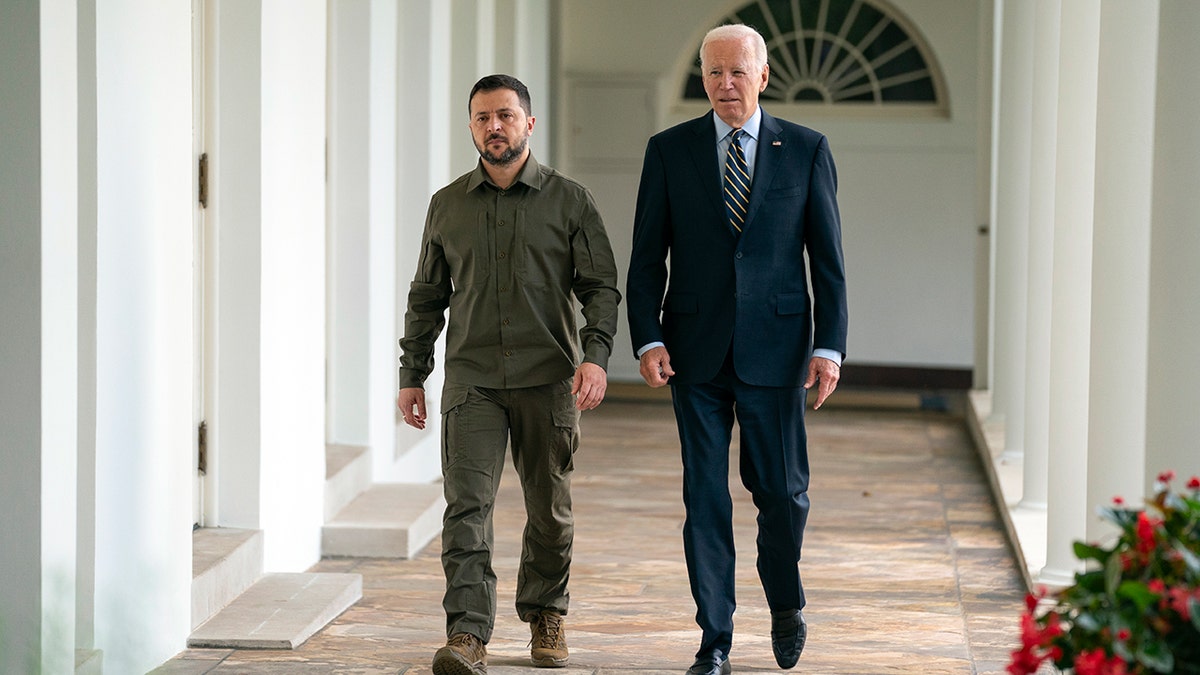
512 154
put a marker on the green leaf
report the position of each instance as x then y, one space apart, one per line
1190 559
1156 655
1120 516
1138 593
1087 581
1112 575
1085 551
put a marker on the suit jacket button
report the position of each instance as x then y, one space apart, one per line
738 255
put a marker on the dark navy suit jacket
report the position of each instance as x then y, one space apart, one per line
748 292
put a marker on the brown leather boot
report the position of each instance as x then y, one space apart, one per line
464 654
549 643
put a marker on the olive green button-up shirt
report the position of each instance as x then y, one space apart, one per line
506 263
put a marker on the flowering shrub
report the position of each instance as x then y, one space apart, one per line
1136 610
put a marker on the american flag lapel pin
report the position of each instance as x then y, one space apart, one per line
776 142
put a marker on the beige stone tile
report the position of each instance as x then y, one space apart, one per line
905 564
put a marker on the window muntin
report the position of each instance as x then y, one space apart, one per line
838 52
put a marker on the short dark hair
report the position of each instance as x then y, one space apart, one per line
494 82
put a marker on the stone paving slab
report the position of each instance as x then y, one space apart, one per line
905 565
394 520
280 611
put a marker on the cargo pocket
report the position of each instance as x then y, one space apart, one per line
454 424
565 417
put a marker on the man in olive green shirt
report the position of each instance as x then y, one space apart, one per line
505 247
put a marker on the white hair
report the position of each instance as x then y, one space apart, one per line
738 31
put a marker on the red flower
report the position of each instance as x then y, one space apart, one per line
1094 662
1145 533
1166 476
1053 626
1031 602
1177 598
1118 501
1156 586
1123 634
1024 662
1090 662
1194 483
1031 633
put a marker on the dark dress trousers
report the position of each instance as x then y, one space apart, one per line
739 320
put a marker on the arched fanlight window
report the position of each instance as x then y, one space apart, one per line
860 53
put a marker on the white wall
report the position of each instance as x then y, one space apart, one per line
908 187
144 332
1174 360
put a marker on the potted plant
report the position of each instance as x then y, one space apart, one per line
1135 610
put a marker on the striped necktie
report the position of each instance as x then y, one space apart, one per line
737 182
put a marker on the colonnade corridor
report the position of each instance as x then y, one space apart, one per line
906 567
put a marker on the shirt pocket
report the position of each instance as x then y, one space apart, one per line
543 251
464 241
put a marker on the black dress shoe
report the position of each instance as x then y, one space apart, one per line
788 632
715 663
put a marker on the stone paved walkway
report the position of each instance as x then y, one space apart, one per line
905 564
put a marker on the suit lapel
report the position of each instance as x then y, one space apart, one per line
704 156
766 163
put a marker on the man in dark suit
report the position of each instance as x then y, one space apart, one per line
737 198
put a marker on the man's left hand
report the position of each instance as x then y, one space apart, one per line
589 386
827 373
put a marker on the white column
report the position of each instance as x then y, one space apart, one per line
506 36
473 55
349 208
38 274
1011 229
1172 422
85 578
235 185
1121 254
533 58
1071 294
522 49
383 167
59 317
292 313
362 207
424 56
1040 255
144 350
267 160
987 84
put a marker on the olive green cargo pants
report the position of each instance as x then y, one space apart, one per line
542 424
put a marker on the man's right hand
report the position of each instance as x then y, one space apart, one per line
656 366
411 403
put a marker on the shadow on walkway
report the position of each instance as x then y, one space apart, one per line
906 568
